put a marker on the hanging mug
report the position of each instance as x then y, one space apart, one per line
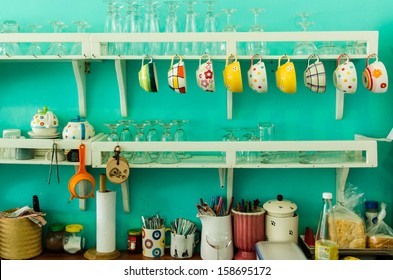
286 76
375 76
148 75
233 75
345 77
205 74
257 79
177 75
315 75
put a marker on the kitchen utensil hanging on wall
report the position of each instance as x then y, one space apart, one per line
117 168
82 184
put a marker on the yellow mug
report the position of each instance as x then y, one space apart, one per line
233 75
286 76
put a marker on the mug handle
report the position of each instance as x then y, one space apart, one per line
197 237
340 56
312 56
370 56
252 59
284 56
230 56
146 57
204 56
49 119
170 231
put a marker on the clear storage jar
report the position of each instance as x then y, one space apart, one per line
74 239
54 238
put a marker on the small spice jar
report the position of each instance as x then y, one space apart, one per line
54 238
134 244
74 239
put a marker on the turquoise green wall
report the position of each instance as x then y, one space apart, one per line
25 87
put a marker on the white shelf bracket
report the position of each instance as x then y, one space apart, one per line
229 104
126 196
120 66
80 77
221 175
229 184
339 104
341 180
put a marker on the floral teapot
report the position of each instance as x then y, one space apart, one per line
78 129
44 122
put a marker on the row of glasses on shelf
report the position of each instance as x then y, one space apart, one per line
146 131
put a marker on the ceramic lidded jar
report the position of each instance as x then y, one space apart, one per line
44 122
78 129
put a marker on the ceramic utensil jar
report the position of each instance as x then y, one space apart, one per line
281 221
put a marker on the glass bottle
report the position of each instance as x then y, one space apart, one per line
326 245
371 213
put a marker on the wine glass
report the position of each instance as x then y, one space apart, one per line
210 48
218 241
125 135
34 48
81 28
229 27
13 48
133 24
257 47
150 25
112 137
304 47
190 48
171 48
57 48
180 135
329 48
266 132
152 135
140 157
167 157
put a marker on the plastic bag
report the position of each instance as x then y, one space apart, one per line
380 235
351 228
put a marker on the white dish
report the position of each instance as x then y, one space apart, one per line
39 136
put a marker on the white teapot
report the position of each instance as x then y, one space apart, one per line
78 129
44 122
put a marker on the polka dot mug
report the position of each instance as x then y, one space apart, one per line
257 79
345 76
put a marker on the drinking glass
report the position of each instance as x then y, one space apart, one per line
57 48
112 137
167 157
180 135
251 135
171 48
258 47
81 27
133 24
125 135
210 48
10 49
150 25
218 241
351 47
190 48
329 48
304 47
34 48
229 27
230 136
152 135
140 157
266 132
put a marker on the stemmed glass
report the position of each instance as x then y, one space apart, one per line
218 241
140 157
210 48
229 27
81 28
133 24
329 48
152 135
112 137
150 25
34 49
167 157
190 48
125 135
257 47
10 49
304 47
57 48
171 48
180 135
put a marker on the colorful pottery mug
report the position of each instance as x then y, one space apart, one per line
315 75
286 76
375 76
233 75
148 75
205 74
153 242
177 75
345 77
257 79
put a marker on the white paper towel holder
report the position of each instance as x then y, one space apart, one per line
92 253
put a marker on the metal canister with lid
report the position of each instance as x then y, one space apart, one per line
134 243
54 238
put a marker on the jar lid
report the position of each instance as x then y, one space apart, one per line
371 204
134 232
280 207
57 227
74 228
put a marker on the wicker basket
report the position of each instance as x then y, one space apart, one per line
20 238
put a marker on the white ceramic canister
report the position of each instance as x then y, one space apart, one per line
281 221
78 129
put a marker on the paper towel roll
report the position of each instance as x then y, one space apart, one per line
106 222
